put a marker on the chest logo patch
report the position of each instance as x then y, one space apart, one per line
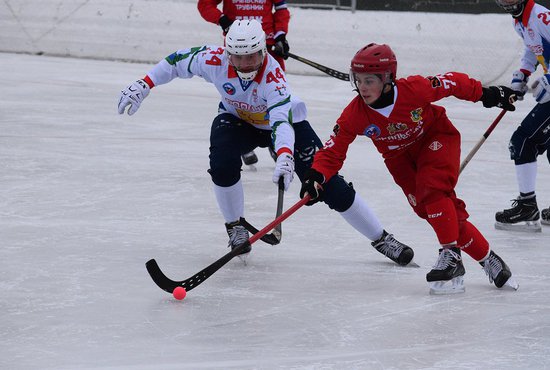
416 115
229 88
396 127
372 131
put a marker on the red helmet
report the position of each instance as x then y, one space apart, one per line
376 59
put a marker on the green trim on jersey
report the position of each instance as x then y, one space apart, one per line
173 58
283 102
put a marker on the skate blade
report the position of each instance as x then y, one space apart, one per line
244 258
412 264
453 286
251 168
545 222
524 226
511 284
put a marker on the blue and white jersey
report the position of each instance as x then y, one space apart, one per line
534 29
265 102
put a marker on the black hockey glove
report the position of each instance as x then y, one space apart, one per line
281 46
312 185
499 96
225 23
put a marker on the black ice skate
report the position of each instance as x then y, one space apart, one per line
523 216
250 158
447 276
238 235
394 249
498 272
545 216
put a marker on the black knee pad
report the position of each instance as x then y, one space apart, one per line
339 195
522 150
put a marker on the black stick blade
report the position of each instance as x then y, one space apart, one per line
169 285
159 278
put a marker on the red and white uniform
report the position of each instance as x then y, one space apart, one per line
534 29
421 149
265 102
272 14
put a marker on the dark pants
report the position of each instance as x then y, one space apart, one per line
230 137
532 137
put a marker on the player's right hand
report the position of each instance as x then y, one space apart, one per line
312 185
225 23
132 96
519 83
499 96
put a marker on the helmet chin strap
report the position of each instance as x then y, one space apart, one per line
386 98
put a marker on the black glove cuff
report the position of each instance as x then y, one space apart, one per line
314 175
281 37
225 23
489 96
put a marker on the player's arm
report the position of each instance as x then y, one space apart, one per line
183 63
281 17
328 160
461 86
208 9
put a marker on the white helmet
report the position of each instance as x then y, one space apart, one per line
246 37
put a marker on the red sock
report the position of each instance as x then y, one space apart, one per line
442 217
472 242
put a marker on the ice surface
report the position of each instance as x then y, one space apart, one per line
88 196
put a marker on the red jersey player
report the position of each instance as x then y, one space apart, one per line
272 14
421 149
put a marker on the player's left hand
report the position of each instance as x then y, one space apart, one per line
499 96
284 168
541 89
281 46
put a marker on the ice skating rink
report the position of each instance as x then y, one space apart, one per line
88 196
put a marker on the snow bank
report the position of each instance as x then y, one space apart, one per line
147 30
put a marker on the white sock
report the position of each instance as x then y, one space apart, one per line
526 174
230 201
363 219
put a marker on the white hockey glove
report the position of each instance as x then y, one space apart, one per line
285 168
541 89
519 83
133 95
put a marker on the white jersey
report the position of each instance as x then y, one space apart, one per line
266 102
534 29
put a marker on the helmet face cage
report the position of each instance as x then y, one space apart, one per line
514 7
245 37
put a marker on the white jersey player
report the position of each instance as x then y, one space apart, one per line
257 109
532 138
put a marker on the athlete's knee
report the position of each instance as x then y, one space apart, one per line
522 149
339 195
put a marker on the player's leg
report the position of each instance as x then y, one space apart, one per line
229 138
340 196
529 140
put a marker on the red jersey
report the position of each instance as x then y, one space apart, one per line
272 14
410 118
